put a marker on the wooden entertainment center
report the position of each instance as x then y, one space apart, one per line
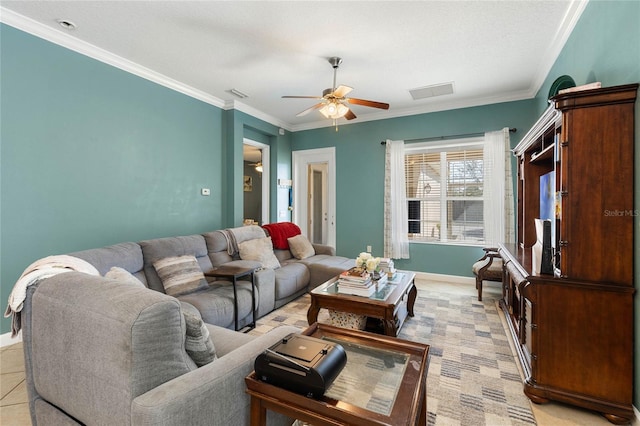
574 328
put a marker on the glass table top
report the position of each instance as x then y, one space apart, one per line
381 293
371 378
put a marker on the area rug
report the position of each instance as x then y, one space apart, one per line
472 378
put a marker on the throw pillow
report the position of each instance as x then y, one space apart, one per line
180 275
300 247
198 343
261 250
122 275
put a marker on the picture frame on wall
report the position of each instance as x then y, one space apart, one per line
248 184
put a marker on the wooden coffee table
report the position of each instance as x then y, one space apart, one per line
383 383
392 304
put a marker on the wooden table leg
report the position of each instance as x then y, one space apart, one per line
312 313
413 293
258 413
389 327
422 421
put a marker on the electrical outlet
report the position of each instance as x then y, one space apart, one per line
205 191
368 249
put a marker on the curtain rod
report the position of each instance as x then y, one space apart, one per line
441 138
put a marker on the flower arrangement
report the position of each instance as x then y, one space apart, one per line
367 261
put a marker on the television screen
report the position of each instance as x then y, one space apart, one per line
548 196
548 202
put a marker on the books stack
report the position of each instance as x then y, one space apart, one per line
356 281
386 265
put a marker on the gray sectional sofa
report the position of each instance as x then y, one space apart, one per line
103 351
274 287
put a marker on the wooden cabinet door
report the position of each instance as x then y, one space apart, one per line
597 180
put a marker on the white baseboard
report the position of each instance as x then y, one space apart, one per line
7 340
636 417
449 278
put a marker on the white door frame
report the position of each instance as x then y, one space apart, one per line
301 161
266 176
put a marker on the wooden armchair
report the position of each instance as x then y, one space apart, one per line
488 267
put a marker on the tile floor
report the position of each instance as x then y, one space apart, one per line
14 409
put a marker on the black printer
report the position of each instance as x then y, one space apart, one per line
301 364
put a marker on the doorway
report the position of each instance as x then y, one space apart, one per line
314 194
255 182
317 216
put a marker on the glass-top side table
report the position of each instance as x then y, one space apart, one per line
355 398
371 378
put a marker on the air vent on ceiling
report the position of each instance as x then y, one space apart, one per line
431 91
238 93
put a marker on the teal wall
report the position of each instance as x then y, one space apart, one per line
239 126
605 47
360 176
91 155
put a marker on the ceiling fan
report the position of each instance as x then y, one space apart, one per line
257 166
334 103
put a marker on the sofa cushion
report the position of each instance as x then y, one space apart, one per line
197 342
180 275
217 245
300 247
322 267
159 248
227 340
215 304
124 255
122 275
260 249
290 279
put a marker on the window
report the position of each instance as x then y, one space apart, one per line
444 185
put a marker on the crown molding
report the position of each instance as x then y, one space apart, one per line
239 106
569 21
62 39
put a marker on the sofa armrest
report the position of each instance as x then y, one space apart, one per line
95 343
324 249
214 394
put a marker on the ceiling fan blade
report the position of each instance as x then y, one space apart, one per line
349 115
303 97
308 110
365 102
341 91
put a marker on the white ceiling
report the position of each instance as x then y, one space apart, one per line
492 51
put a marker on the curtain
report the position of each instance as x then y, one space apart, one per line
498 189
396 218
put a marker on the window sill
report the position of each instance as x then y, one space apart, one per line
451 243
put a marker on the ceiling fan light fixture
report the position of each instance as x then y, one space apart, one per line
259 167
334 110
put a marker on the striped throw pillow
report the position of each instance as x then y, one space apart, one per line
198 343
180 275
